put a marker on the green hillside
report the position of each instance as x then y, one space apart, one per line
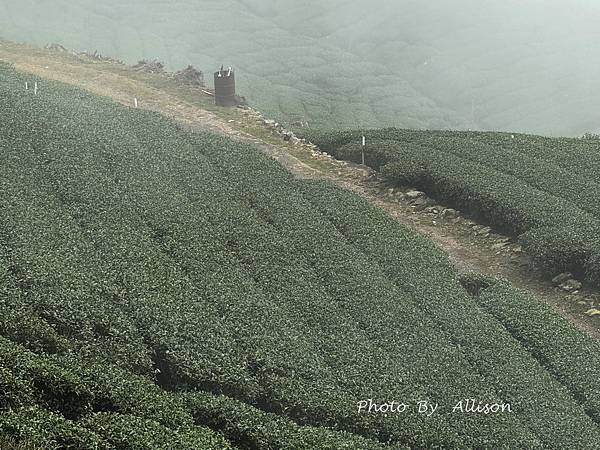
543 190
525 66
163 289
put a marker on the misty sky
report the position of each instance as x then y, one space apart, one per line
527 65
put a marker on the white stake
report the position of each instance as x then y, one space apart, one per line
364 142
135 102
35 88
26 86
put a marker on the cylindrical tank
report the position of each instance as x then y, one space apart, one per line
225 88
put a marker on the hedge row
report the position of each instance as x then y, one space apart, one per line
251 428
280 368
541 190
484 343
145 261
67 402
536 326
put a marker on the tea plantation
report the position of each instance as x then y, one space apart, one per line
164 289
545 191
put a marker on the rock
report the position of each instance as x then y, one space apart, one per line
420 201
560 279
269 122
480 230
414 194
431 210
294 140
593 312
499 246
484 231
449 213
570 285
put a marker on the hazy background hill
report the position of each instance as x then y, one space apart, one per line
521 65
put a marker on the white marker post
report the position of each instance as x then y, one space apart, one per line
26 86
35 88
135 102
364 142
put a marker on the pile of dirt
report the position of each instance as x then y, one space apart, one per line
190 76
150 66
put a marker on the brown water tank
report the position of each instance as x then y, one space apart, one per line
225 88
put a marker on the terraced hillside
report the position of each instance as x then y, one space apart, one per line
162 288
515 65
543 190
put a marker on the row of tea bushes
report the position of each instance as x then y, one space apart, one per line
145 262
542 190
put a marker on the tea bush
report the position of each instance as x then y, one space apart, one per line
542 190
164 288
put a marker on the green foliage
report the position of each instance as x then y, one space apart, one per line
51 401
474 282
48 430
483 342
132 432
542 190
11 444
249 427
15 391
570 358
43 382
163 262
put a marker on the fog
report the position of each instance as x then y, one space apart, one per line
519 65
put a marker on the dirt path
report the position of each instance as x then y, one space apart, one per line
479 252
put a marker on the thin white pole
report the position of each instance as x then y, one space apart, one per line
364 142
35 88
135 102
26 86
